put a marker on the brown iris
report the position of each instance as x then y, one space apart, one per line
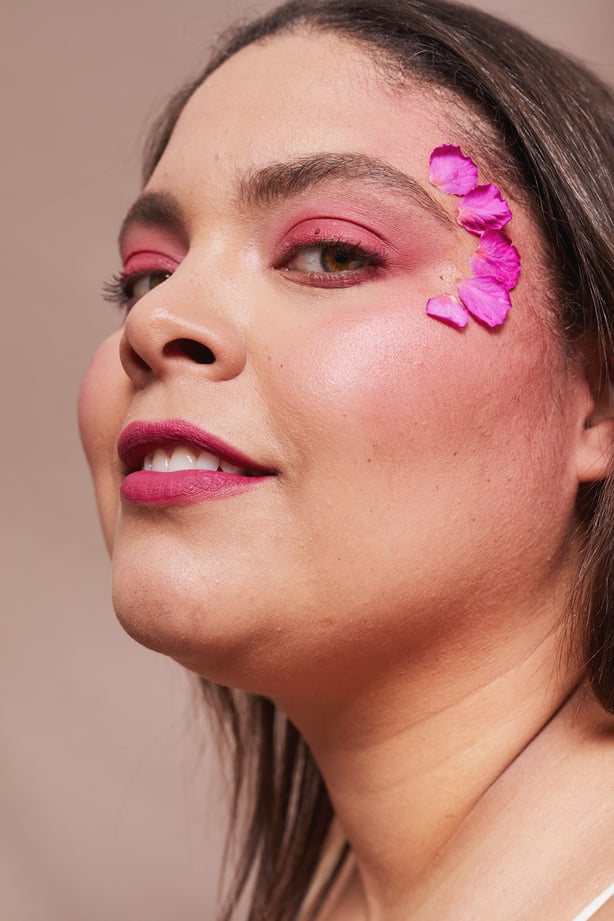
341 259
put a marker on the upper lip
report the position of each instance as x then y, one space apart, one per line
139 439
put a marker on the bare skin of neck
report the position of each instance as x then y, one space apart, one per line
475 788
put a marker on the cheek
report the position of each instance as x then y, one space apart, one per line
421 444
103 400
392 372
393 391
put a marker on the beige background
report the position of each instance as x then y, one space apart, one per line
108 799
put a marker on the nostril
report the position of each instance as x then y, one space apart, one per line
191 349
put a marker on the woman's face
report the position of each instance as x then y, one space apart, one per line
416 481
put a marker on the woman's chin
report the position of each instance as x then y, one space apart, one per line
200 630
159 627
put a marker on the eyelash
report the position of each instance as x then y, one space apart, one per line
373 261
119 289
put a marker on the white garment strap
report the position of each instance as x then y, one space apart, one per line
595 905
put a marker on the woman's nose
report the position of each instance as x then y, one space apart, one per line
161 341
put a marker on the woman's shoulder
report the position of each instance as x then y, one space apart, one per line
606 913
600 909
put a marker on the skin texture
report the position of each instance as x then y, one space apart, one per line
398 586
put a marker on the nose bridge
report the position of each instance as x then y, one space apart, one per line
183 326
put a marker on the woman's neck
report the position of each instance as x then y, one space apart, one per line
412 764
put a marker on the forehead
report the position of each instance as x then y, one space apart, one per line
298 94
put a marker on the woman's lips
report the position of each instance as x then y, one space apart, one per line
175 463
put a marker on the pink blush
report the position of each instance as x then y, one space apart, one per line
314 230
143 261
160 247
402 235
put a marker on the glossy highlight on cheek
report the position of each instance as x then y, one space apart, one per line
495 264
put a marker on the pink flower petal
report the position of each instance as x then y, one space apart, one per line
451 171
447 308
496 257
483 209
485 298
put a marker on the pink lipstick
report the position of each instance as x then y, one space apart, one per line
174 462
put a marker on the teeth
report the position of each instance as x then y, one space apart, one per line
180 459
229 468
206 461
160 461
184 458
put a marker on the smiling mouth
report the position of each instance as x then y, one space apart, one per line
177 446
186 457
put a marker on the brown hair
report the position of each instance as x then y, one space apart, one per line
555 126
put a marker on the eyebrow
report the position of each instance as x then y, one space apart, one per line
278 181
153 209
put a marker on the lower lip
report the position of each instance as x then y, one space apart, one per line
184 487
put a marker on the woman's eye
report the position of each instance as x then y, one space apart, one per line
329 263
138 287
126 290
327 258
